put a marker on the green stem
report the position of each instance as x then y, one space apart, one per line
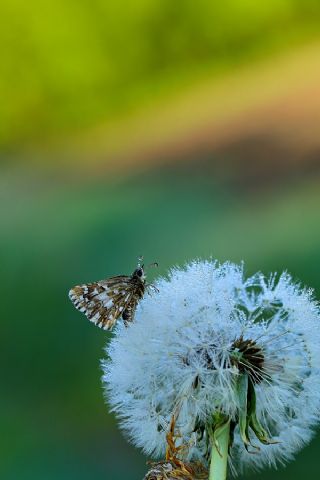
219 457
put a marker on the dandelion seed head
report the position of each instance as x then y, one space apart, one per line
192 340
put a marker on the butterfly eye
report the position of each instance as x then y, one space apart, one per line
139 272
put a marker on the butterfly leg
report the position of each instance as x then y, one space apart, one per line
153 287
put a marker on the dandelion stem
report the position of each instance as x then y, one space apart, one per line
219 456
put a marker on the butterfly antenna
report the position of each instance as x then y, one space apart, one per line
140 260
154 264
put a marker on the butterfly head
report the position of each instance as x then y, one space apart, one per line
139 273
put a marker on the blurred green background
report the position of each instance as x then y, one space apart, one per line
173 129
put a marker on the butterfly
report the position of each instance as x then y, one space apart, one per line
105 301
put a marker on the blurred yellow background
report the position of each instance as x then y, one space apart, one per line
172 129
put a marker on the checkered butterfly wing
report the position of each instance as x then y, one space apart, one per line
105 301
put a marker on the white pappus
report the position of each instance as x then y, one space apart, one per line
206 328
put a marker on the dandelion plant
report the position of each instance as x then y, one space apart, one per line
218 373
